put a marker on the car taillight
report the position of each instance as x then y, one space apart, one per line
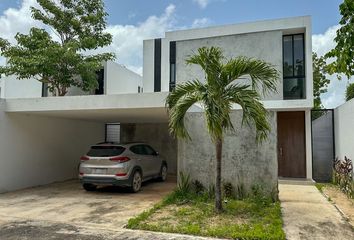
84 158
119 159
121 174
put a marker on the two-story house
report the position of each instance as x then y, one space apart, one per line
285 43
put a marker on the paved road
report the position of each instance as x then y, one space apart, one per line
308 215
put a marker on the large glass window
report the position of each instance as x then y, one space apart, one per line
293 67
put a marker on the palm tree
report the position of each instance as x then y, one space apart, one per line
217 95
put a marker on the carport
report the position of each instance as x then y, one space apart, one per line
42 139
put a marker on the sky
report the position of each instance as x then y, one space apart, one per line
132 21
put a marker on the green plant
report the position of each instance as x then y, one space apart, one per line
343 176
222 89
184 185
211 191
60 58
240 191
228 190
198 187
349 93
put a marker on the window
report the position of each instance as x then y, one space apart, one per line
172 65
293 66
100 80
157 65
105 151
149 150
44 89
138 149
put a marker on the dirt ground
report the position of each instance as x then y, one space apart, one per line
342 201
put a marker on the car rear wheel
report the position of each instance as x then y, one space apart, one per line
89 187
163 173
136 182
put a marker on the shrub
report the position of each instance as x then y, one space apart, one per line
343 176
198 187
228 190
184 183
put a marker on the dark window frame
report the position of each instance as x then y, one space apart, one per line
172 82
157 65
303 55
295 76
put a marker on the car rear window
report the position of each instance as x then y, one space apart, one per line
105 151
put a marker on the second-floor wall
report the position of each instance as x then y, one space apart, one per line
285 43
113 78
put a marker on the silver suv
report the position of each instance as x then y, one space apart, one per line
116 164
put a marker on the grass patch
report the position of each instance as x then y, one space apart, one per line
190 213
320 186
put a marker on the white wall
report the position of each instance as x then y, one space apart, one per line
119 79
24 88
39 150
344 130
148 65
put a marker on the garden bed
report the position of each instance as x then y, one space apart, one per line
253 218
343 202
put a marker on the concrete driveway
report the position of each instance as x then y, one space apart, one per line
65 210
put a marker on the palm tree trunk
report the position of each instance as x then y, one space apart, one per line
218 202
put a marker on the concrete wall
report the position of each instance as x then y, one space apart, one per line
39 150
322 147
119 79
266 46
244 161
344 130
24 88
156 135
148 65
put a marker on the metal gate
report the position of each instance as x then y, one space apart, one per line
323 148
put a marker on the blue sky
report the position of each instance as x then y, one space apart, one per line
324 12
132 21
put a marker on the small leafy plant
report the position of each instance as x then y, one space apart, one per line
343 175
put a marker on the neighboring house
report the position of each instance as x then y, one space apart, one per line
286 43
113 78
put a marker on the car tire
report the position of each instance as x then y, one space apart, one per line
89 187
163 173
136 182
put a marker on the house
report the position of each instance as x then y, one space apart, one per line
66 126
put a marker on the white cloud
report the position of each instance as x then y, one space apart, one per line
127 39
321 44
201 22
15 20
202 3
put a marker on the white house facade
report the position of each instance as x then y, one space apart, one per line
139 106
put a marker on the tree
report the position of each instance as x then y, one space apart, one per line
344 50
320 82
220 90
349 94
60 59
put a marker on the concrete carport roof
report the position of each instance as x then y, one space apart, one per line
123 108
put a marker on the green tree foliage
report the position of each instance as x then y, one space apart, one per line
349 94
60 59
344 50
320 82
221 89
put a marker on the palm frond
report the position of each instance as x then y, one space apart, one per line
252 109
178 103
210 60
263 75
